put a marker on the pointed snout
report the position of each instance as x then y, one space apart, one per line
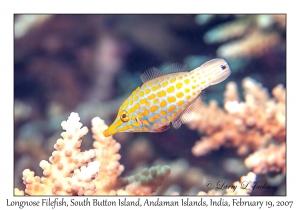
106 133
113 128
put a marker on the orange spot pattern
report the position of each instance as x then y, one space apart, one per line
171 108
143 101
161 93
170 89
173 80
141 93
179 95
163 112
145 112
153 108
164 84
171 99
163 103
152 96
178 85
156 100
180 103
156 116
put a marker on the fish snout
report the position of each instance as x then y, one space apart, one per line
106 133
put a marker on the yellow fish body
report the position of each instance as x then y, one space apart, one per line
166 97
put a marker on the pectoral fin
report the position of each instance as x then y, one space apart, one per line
188 113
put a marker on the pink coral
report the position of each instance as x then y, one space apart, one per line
248 125
267 159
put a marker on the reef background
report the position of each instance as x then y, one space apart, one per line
90 63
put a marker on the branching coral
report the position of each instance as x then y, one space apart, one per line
271 158
107 154
62 174
249 125
72 172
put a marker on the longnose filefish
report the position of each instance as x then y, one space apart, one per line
169 96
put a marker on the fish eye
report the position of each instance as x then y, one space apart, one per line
124 116
223 67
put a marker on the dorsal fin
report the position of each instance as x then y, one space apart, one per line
154 72
175 68
187 114
150 74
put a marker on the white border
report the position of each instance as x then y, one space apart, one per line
187 6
